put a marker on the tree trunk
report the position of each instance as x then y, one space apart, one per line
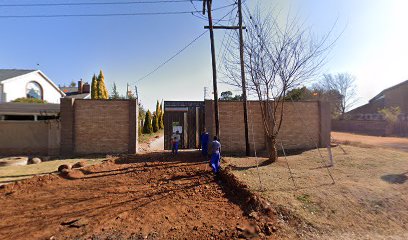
271 148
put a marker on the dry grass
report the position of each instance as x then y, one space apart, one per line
367 201
14 173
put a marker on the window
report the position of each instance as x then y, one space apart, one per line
34 90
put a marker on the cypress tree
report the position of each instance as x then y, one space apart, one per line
94 88
157 108
140 127
155 123
161 117
115 93
102 91
148 128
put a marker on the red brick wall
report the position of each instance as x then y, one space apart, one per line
302 127
98 126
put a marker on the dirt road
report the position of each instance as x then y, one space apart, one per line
157 145
153 196
384 142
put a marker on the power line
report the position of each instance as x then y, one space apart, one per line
108 14
181 50
94 3
172 57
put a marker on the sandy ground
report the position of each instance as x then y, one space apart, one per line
157 145
385 142
150 196
367 201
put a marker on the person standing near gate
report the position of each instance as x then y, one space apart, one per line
216 155
205 138
175 141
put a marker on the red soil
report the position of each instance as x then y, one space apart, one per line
153 196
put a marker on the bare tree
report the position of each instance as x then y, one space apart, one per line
277 59
344 84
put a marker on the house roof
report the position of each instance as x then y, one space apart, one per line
12 108
9 74
69 90
79 96
387 89
12 73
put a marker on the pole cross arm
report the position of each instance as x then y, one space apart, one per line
225 27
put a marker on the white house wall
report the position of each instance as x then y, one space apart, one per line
16 87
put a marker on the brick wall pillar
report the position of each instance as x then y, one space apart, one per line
133 126
67 115
325 123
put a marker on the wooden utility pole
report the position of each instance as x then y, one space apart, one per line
214 66
240 27
244 86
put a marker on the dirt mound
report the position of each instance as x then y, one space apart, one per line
79 164
162 197
64 167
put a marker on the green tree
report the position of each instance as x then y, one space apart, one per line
157 107
298 94
161 117
227 95
29 100
72 84
155 123
102 91
142 113
94 88
147 127
115 93
390 114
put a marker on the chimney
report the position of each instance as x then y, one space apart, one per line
86 88
80 86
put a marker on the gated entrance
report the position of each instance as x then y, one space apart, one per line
188 118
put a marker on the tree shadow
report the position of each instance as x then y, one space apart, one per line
395 178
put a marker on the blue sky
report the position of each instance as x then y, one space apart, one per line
373 46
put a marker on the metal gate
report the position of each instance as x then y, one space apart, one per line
187 117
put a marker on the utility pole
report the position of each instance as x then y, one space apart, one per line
214 66
127 90
244 91
240 27
136 93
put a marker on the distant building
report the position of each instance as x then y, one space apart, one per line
18 83
367 120
82 91
395 96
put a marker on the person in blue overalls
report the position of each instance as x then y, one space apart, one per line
205 138
216 155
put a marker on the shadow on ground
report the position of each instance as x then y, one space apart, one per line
395 178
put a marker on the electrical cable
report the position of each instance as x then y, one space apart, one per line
108 14
180 51
94 3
